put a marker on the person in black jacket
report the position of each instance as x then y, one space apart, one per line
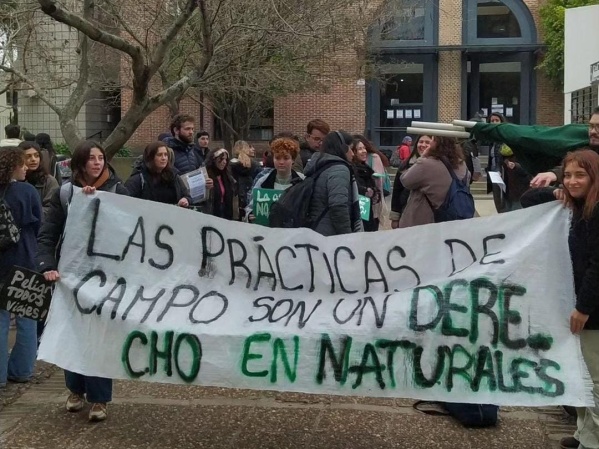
156 180
581 194
223 193
91 172
244 170
366 184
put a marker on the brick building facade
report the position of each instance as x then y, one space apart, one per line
440 60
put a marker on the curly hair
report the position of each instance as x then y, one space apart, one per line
10 159
241 150
285 145
178 121
447 148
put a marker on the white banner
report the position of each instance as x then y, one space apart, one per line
469 311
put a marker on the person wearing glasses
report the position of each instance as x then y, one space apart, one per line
544 184
555 175
316 131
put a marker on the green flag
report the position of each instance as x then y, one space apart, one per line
364 207
262 200
537 148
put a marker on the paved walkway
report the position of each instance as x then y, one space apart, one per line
157 416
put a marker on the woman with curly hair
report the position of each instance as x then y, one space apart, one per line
244 170
24 203
284 152
37 175
429 180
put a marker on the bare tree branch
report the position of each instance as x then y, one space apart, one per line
59 14
40 93
164 44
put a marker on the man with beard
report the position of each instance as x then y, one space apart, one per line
188 156
555 175
541 192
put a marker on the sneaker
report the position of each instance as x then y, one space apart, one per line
98 412
74 403
569 443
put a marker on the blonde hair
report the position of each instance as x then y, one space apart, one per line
241 150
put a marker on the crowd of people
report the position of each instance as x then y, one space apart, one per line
343 167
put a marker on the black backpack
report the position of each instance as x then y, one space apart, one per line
10 233
459 202
292 209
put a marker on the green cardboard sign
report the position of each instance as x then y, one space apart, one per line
262 200
364 208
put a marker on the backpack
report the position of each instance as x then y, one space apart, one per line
292 208
395 160
9 231
459 203
469 415
66 193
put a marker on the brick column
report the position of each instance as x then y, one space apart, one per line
450 63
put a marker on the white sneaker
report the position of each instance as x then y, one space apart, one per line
75 403
98 412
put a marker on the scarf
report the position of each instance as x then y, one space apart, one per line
104 176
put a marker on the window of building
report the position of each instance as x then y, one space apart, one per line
582 104
401 101
495 20
498 21
407 23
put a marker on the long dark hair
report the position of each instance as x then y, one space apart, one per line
150 153
589 161
39 175
45 143
414 154
213 170
371 149
337 143
81 156
448 148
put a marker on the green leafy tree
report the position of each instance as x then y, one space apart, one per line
553 15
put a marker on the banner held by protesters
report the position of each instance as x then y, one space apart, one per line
439 313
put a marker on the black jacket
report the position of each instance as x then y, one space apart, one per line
146 187
306 153
584 250
188 157
244 176
222 205
48 248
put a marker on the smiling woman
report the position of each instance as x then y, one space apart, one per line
90 173
581 183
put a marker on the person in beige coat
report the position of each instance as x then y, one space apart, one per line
428 181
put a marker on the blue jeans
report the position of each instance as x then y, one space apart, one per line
95 389
20 364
